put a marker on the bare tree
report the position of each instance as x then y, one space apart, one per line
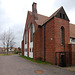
12 43
3 39
8 40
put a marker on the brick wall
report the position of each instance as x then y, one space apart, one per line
73 54
50 42
22 47
37 48
72 49
58 23
30 19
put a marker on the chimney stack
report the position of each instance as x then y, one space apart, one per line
34 10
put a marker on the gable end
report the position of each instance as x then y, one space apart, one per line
62 14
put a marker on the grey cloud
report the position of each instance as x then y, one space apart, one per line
68 4
18 30
4 19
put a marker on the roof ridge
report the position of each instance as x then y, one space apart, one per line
53 14
48 18
56 11
39 14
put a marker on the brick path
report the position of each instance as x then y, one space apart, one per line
15 65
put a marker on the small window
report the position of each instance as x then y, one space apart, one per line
73 39
30 49
60 15
63 16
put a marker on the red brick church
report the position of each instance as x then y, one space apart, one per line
50 39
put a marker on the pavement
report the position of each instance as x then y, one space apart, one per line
71 68
15 65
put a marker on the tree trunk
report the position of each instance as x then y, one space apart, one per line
7 49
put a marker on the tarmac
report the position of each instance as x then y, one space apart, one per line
15 65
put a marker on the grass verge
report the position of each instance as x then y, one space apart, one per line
36 61
6 54
3 55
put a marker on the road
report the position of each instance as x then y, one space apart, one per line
15 65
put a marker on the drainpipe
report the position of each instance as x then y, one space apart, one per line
44 45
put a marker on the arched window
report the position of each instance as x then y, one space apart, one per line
25 37
31 32
62 35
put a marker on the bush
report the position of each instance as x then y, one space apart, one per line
16 52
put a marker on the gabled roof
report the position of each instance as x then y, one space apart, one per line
64 15
41 18
72 30
52 15
55 14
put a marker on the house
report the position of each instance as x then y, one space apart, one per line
1 49
49 39
12 49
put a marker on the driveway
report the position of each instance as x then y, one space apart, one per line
15 65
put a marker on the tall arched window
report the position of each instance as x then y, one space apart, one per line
31 32
26 37
62 35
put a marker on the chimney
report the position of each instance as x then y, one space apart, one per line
34 10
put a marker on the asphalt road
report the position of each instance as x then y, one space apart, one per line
15 65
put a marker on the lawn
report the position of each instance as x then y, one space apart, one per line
36 61
6 54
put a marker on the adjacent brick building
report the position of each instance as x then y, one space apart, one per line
48 38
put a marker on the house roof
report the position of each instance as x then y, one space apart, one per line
53 15
72 30
41 18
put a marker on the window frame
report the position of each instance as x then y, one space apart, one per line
31 38
26 36
62 35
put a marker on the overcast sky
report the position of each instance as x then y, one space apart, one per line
13 13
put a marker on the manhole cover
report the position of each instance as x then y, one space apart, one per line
38 71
